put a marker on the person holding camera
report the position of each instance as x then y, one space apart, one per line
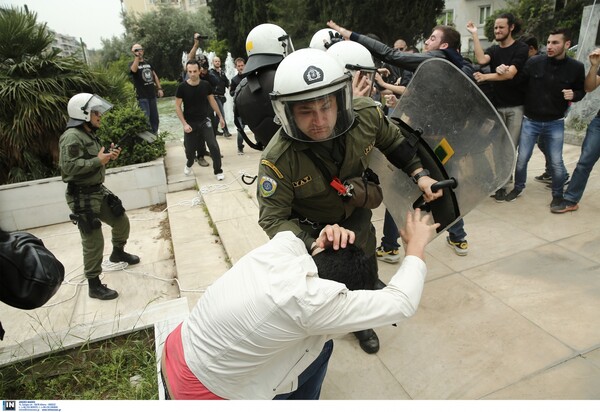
146 82
82 161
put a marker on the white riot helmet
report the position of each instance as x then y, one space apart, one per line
309 82
81 105
354 56
324 39
267 44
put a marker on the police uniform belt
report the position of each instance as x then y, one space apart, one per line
305 221
73 188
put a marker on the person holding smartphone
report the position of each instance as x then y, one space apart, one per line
146 82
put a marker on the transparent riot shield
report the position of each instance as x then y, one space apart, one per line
462 137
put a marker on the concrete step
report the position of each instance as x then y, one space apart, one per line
174 164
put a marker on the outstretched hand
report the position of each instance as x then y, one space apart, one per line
344 32
334 236
418 232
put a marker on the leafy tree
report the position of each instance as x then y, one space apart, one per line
302 18
115 49
35 87
234 19
405 19
165 35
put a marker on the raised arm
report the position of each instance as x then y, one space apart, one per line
592 80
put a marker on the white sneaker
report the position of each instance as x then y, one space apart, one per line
220 176
187 171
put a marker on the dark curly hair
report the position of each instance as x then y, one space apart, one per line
348 265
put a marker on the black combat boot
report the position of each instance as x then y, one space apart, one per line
369 342
98 290
119 255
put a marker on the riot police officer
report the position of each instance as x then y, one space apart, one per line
83 165
326 138
266 45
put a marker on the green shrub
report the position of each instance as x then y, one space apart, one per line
169 87
121 126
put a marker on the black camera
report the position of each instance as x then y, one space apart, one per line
199 36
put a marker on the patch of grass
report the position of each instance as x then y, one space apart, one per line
210 221
99 370
159 207
169 122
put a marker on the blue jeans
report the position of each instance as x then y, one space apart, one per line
220 103
150 109
311 380
590 152
389 241
553 135
457 231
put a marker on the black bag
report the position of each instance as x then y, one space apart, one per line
29 273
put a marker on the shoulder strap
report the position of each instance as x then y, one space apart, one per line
335 182
319 163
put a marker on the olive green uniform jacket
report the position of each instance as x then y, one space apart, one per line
80 165
294 195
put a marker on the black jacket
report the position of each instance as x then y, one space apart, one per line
546 79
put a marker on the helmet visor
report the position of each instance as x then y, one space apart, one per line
97 104
317 118
286 43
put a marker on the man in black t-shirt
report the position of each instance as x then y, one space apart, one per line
196 96
145 82
506 59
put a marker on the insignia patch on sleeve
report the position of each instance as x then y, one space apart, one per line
74 150
267 186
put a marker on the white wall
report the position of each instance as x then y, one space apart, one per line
42 202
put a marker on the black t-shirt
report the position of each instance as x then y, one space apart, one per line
195 100
143 81
508 93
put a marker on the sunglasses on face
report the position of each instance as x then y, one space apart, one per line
138 50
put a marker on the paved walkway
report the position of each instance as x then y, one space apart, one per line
515 319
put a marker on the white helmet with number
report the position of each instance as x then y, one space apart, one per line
81 105
311 75
324 39
267 44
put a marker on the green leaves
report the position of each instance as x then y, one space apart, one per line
35 87
165 35
122 124
20 35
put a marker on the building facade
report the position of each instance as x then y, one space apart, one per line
459 12
68 45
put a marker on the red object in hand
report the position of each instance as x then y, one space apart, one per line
337 184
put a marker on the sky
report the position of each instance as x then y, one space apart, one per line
90 20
